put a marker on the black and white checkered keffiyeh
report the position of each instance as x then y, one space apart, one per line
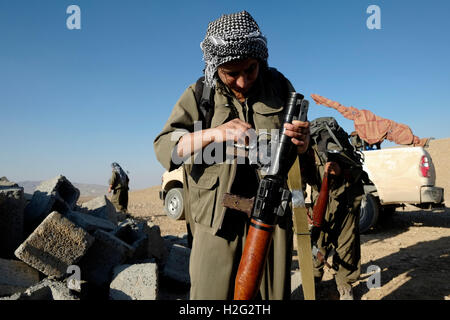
231 37
122 175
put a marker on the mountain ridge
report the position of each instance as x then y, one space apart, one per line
86 189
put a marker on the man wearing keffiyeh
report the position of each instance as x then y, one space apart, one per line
232 37
247 95
118 184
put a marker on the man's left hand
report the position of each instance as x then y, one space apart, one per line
299 133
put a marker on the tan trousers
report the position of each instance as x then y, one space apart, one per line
215 260
342 235
120 199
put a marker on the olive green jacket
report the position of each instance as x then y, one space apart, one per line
115 182
206 184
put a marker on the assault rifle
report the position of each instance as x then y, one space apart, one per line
321 204
318 216
271 202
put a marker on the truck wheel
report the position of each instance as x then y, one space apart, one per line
368 212
174 204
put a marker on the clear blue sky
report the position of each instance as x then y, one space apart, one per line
73 101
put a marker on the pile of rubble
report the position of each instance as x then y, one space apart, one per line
53 248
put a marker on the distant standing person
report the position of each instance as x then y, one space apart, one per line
118 184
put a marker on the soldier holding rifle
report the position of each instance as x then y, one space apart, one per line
247 95
337 190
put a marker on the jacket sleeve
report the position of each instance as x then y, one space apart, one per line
180 122
113 180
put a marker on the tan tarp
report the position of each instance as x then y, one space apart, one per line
372 128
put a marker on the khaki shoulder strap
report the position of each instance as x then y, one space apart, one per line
302 233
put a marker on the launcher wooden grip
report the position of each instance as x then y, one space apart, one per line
321 203
248 278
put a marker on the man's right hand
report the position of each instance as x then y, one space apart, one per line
234 130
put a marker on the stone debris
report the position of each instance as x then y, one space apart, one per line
177 266
56 244
89 222
47 289
107 252
117 257
57 194
16 276
12 205
132 233
100 207
135 282
156 246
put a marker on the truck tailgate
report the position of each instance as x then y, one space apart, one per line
396 173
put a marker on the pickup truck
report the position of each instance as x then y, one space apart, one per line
171 193
399 176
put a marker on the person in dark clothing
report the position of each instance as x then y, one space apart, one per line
118 184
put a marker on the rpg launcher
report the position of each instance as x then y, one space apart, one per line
271 202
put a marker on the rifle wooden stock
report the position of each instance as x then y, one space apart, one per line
253 261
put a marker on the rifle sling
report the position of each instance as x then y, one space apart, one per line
301 229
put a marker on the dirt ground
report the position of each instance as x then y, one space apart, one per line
411 247
412 250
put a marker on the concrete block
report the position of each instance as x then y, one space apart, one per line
135 282
107 252
57 194
12 206
47 289
89 222
16 276
100 207
133 233
182 240
156 246
177 265
145 237
55 244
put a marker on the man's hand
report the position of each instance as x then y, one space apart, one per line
299 133
234 130
333 168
